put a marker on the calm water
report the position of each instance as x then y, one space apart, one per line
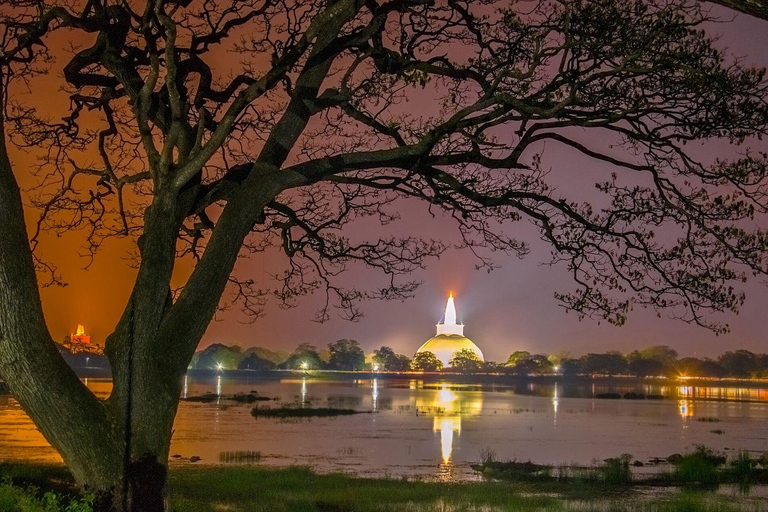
436 430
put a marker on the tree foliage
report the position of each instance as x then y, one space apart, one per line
426 362
346 355
465 360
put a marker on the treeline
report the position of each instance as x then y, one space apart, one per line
347 355
655 361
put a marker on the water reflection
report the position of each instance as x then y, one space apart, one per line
375 394
447 408
435 430
555 403
686 409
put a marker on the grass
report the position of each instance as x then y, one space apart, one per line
296 489
302 412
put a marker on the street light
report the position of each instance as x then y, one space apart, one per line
219 367
304 365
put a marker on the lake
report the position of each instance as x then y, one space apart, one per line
435 430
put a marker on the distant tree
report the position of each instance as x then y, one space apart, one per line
661 353
219 355
426 362
534 364
387 359
255 362
610 363
305 354
558 357
517 356
739 363
465 360
695 367
276 357
346 355
643 367
570 367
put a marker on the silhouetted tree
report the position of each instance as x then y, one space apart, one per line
426 362
389 360
571 367
465 360
219 355
610 363
254 362
304 357
642 367
517 356
346 355
739 363
306 131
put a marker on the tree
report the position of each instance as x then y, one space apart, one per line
556 358
305 357
255 362
642 367
465 360
194 162
570 367
518 356
386 358
346 355
610 363
219 357
426 362
738 363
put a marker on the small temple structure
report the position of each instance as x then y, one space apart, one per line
80 338
449 337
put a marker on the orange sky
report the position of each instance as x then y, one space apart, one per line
510 309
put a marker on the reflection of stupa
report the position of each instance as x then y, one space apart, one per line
449 338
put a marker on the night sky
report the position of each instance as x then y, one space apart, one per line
512 308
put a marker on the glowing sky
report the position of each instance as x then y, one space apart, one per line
509 309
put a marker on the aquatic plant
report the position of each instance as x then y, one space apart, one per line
240 457
301 412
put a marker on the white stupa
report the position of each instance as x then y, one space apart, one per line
449 338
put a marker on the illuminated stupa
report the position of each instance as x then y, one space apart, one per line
449 338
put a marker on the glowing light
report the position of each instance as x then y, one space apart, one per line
218 389
375 367
303 391
686 409
375 394
304 365
557 368
219 366
446 396
80 330
186 388
450 311
447 426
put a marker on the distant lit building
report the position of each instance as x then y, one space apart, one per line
449 338
81 342
80 338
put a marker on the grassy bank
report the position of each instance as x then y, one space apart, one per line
255 489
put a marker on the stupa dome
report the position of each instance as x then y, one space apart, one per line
445 345
450 337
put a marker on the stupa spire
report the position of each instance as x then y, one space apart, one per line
449 325
450 311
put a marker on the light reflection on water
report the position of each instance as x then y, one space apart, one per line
436 430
